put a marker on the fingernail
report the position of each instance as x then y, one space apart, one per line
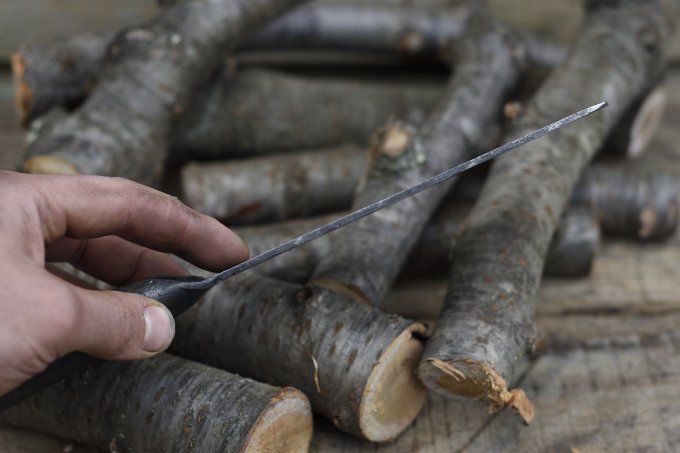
160 328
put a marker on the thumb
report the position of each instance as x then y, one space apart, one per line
121 326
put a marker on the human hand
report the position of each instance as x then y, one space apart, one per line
113 229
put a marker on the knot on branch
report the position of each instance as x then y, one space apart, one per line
395 148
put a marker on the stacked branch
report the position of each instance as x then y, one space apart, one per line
368 255
571 253
253 112
628 202
63 74
258 111
168 404
352 360
149 76
355 363
486 325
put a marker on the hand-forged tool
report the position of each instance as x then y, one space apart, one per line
178 294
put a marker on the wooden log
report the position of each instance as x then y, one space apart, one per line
63 74
168 404
255 112
486 325
274 187
570 255
58 76
151 73
354 362
628 202
368 255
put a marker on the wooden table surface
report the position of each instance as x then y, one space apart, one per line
607 376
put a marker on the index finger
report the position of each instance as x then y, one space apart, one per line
84 207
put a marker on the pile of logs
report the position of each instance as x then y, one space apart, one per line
184 103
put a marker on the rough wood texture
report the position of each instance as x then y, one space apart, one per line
151 74
62 73
168 404
273 187
262 111
590 399
57 76
571 252
486 325
612 328
630 202
355 363
258 111
367 255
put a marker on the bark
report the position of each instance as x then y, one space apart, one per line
258 111
368 255
486 325
273 187
168 404
355 363
570 255
59 76
629 202
63 74
150 74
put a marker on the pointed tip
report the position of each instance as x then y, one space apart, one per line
599 106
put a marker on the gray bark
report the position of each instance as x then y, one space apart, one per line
63 74
150 74
486 325
367 255
160 404
256 112
273 187
318 341
570 255
628 202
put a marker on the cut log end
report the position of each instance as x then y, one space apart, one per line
49 165
285 425
393 395
646 122
471 379
23 95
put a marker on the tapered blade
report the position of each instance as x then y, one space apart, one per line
394 198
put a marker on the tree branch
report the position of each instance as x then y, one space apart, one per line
486 325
